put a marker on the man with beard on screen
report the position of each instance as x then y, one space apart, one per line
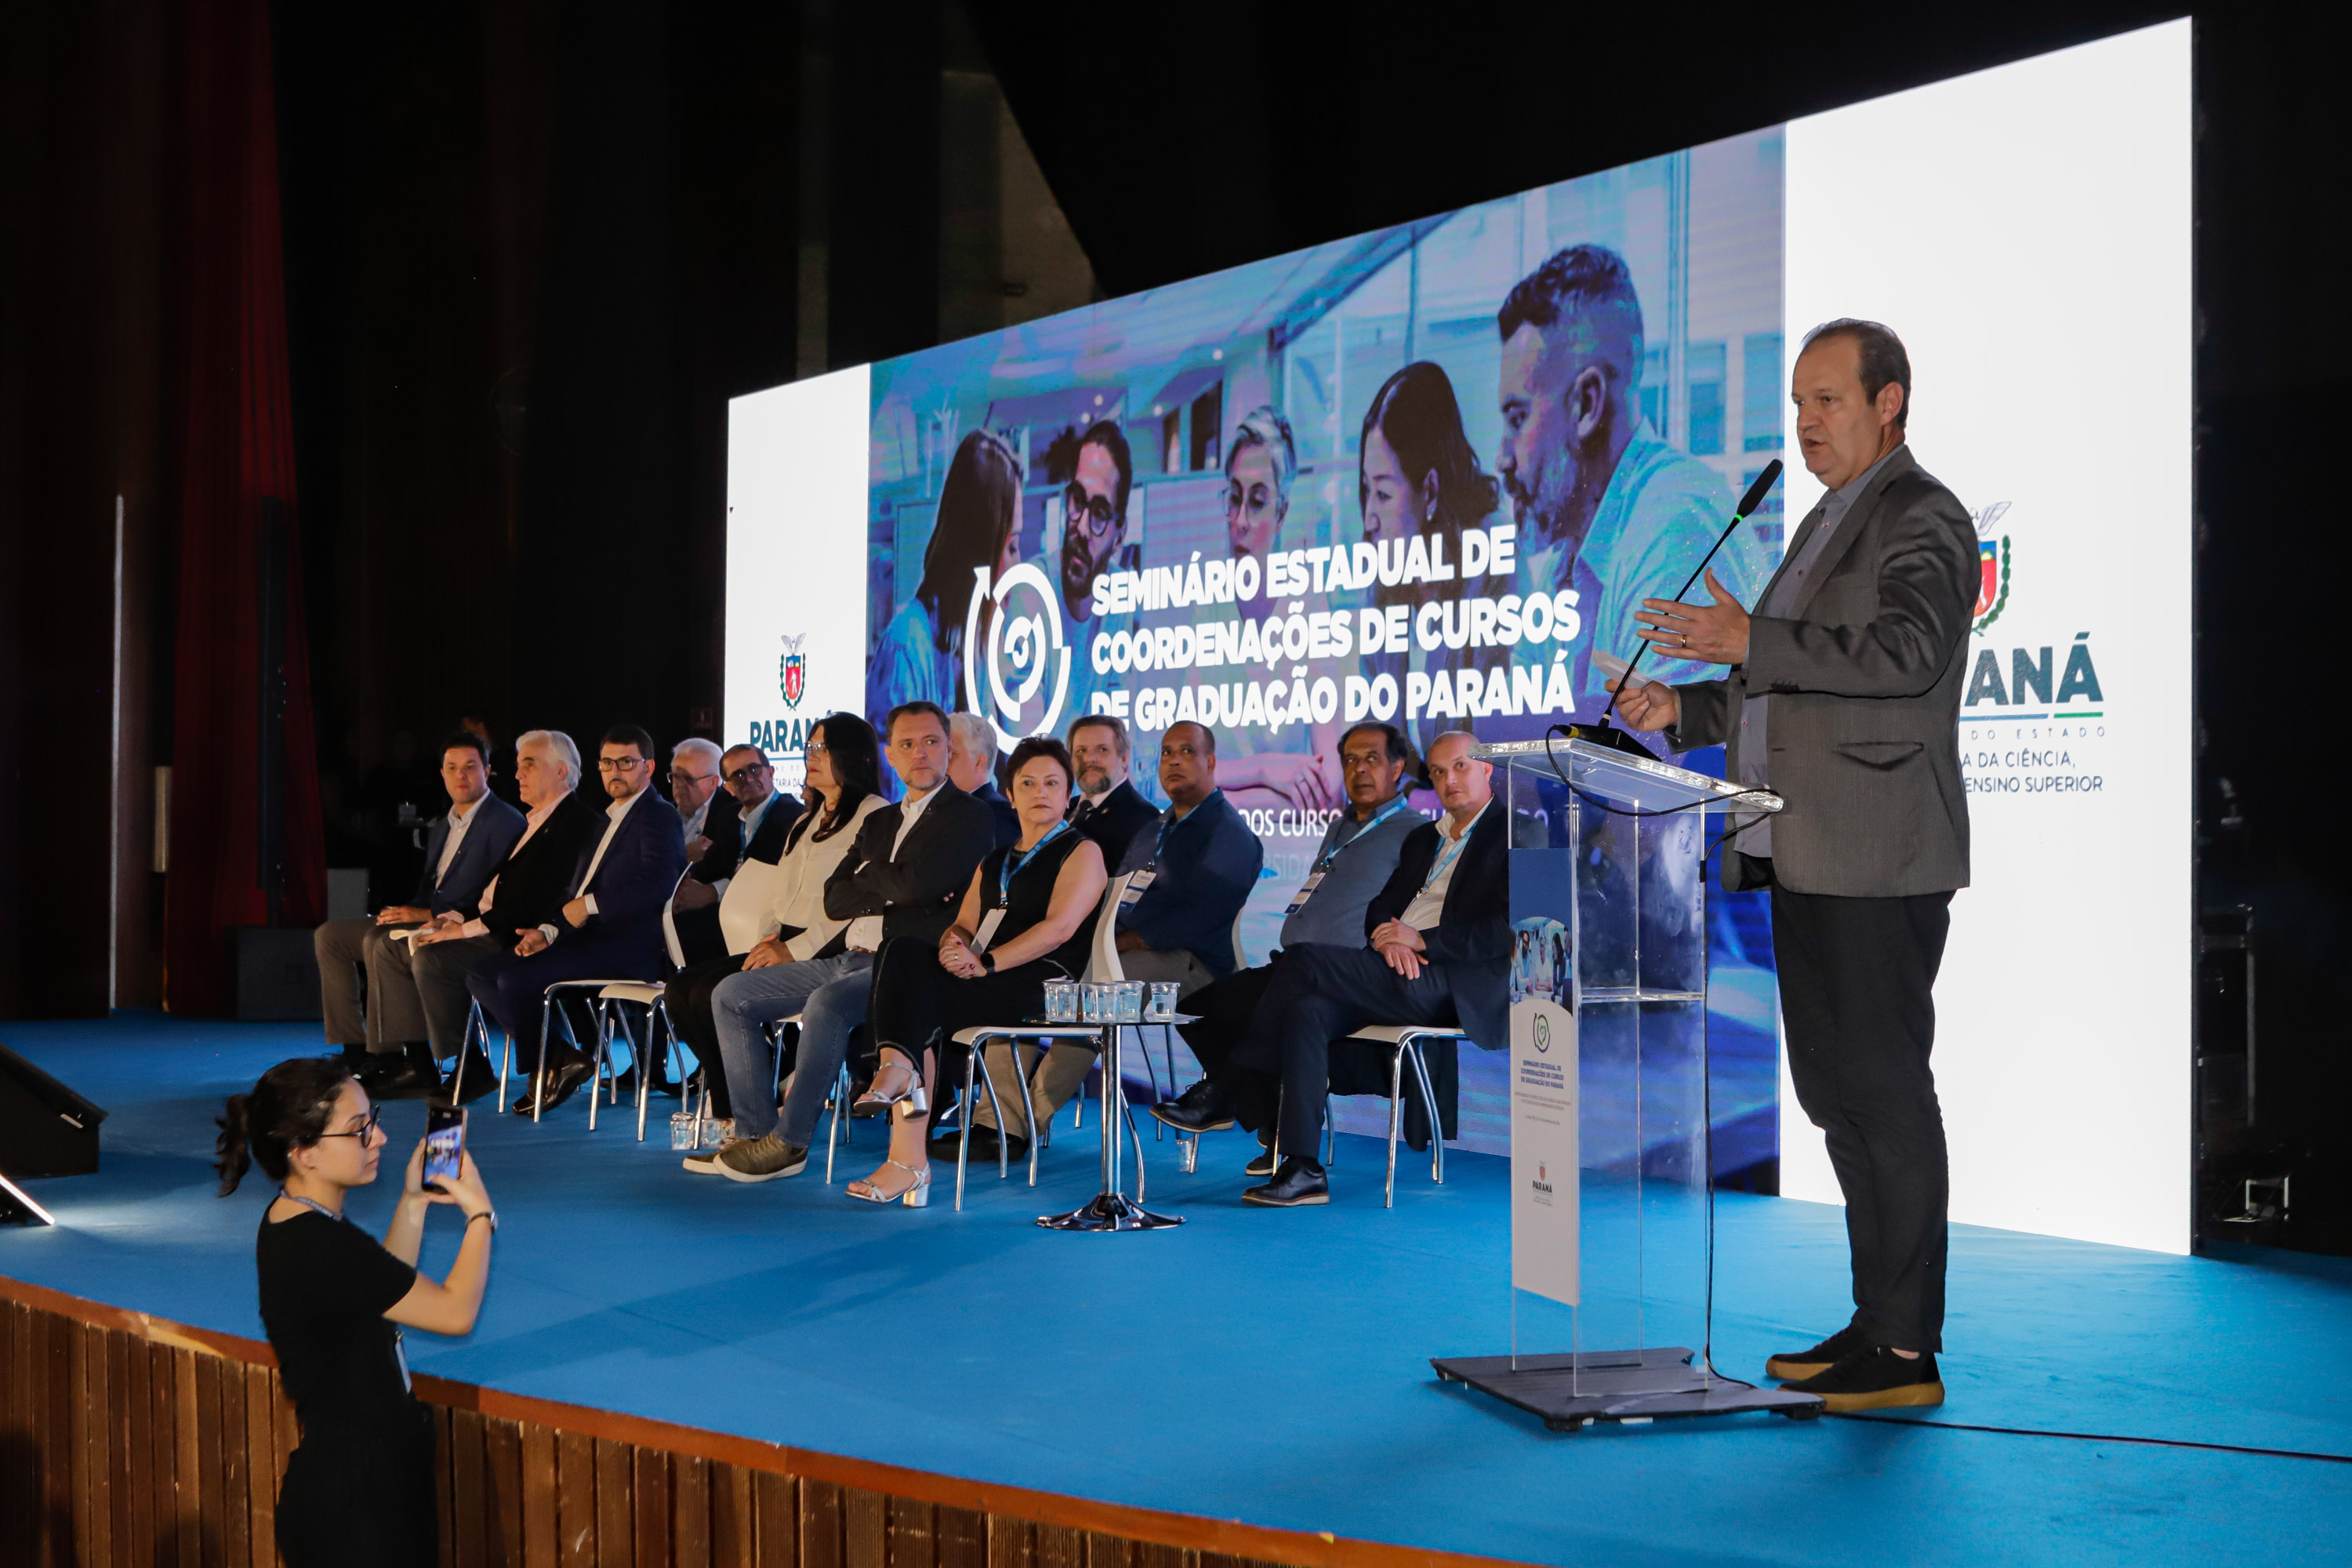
1606 509
1094 531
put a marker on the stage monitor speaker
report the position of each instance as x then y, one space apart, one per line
45 1129
277 975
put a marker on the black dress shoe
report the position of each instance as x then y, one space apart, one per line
1820 1358
375 1066
480 1074
1876 1378
983 1145
1200 1108
556 1085
1298 1183
409 1080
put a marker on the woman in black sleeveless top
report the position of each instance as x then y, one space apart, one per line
358 1492
1028 915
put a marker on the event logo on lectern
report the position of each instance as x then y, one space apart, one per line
1024 650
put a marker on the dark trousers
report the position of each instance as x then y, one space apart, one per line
688 1001
918 1004
1317 994
1856 983
510 989
1225 1010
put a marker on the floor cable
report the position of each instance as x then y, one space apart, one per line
2092 1437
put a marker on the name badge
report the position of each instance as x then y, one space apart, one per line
1305 892
1141 881
987 932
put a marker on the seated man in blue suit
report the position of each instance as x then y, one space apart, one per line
462 851
1437 951
611 928
1188 876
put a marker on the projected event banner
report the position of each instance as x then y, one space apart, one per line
1426 475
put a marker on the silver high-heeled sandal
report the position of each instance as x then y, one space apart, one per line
915 1197
910 1100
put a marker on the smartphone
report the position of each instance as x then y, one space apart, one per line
445 1143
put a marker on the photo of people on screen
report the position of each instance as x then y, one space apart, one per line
921 655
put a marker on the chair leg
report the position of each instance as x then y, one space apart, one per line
1330 1135
538 1075
833 1124
1429 1104
1396 1116
659 1011
995 1107
1028 1106
505 1062
597 1059
465 1048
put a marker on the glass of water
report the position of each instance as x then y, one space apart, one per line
1130 1001
1162 1008
1097 1002
1061 1001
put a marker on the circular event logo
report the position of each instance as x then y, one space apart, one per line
1024 650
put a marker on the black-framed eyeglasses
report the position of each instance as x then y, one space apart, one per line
745 774
365 1130
1096 509
619 764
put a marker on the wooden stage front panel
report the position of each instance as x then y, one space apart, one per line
126 1440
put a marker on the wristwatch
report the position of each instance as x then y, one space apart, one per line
988 961
490 1215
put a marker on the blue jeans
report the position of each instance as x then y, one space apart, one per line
829 996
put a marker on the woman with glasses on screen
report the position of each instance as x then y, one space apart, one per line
1027 915
920 655
358 1491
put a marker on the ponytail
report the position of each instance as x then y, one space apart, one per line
288 1109
229 1156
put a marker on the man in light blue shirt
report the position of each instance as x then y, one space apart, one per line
1605 506
1357 855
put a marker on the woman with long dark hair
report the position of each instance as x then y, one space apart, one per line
844 787
358 1491
920 655
1417 475
1027 915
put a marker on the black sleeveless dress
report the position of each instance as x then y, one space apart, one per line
359 1488
918 1004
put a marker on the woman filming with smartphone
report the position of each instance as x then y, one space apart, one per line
359 1488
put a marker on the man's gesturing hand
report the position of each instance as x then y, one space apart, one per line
1713 633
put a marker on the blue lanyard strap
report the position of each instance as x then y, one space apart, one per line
1448 852
1385 812
1009 868
314 1208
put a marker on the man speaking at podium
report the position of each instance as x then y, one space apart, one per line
1843 695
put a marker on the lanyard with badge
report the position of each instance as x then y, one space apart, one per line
399 1350
1447 855
1139 881
1315 877
1006 870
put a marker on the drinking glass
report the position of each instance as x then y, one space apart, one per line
1162 1007
1130 1001
1061 1001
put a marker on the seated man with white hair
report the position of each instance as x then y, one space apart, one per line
559 830
742 817
971 768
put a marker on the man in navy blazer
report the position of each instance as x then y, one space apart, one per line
611 928
1437 951
386 1038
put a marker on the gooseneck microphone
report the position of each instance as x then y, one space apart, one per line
1604 734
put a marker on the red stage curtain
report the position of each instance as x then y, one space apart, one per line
233 429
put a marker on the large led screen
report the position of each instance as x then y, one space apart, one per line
1425 475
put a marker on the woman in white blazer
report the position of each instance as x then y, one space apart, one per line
774 912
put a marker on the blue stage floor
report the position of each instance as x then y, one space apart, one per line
1272 1366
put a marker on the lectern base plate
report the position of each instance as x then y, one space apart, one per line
1568 1391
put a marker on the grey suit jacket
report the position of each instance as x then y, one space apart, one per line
1864 676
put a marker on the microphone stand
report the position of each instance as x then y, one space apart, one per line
1605 734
